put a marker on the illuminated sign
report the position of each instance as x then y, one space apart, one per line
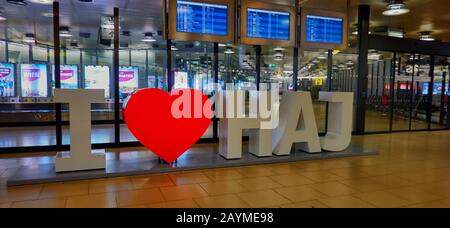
7 80
34 80
69 76
97 77
128 80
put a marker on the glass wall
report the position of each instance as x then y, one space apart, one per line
377 103
26 110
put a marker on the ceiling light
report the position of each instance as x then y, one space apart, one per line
374 56
278 54
48 14
64 31
322 57
29 38
222 45
229 50
126 33
426 36
173 48
315 61
2 18
278 58
278 49
17 2
45 2
148 38
395 8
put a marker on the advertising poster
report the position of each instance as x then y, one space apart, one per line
33 80
151 81
7 82
69 76
97 77
181 80
128 80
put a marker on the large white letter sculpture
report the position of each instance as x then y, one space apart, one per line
231 127
297 125
81 156
340 113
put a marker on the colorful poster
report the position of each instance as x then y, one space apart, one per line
151 80
97 77
128 80
181 80
34 80
69 76
7 82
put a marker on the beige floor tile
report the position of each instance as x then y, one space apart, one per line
135 206
364 185
445 203
333 188
189 178
20 193
391 181
291 179
102 200
300 193
321 176
64 189
183 192
383 199
188 203
115 185
441 189
139 197
413 194
255 171
285 169
151 181
223 174
42 203
5 205
222 187
349 173
345 202
310 166
264 198
305 204
224 201
259 183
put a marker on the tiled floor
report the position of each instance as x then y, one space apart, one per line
411 170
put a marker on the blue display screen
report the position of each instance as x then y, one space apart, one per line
437 90
324 29
268 24
203 18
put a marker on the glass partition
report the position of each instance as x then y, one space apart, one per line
27 113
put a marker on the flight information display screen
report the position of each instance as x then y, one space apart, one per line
321 29
203 18
268 24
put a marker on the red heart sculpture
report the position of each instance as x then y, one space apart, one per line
148 114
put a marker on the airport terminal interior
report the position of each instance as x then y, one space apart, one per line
393 55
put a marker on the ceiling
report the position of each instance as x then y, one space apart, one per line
139 16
